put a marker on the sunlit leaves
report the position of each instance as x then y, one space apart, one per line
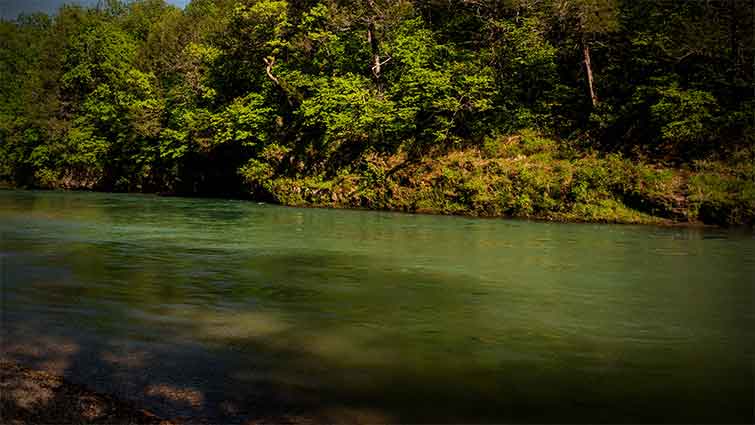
348 108
685 116
246 120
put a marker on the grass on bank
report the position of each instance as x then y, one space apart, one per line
528 176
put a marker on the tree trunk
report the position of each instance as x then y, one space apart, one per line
372 38
286 88
733 40
375 48
588 72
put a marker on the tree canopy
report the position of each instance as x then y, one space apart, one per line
220 96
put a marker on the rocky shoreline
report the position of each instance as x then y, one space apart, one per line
34 397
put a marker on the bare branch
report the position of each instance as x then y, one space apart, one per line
385 61
269 62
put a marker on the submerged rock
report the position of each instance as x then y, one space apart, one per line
28 397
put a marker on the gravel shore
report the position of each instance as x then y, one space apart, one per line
34 397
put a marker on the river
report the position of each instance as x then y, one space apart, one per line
232 311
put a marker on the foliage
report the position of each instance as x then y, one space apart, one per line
477 107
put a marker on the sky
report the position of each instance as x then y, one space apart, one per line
10 9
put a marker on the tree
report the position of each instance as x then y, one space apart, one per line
587 19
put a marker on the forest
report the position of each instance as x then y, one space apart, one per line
633 111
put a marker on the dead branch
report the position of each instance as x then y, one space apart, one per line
269 62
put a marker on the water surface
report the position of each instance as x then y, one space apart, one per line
232 310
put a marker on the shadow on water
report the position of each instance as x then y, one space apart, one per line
191 322
255 365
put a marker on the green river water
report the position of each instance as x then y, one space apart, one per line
233 311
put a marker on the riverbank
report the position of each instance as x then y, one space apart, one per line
31 396
520 176
526 176
35 397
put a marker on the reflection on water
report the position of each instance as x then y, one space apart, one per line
232 310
